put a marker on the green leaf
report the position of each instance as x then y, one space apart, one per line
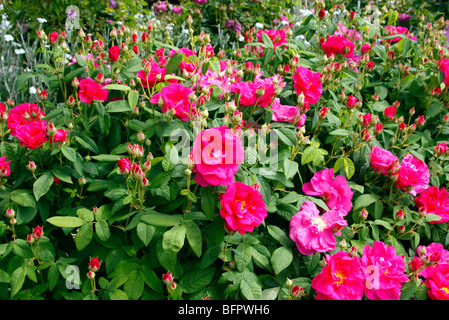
208 205
286 135
151 279
171 159
66 221
133 99
69 153
194 237
197 279
106 157
17 279
25 214
249 288
161 219
173 63
364 201
118 106
349 167
309 154
173 239
134 285
290 168
23 198
430 217
84 236
120 87
145 232
42 185
341 132
281 259
102 230
279 235
383 223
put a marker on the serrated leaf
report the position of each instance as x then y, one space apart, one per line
42 185
84 236
66 221
102 230
194 237
173 239
281 258
145 232
134 285
197 279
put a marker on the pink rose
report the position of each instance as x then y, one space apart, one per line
176 96
335 192
341 278
278 37
438 282
398 30
90 90
242 207
53 37
5 170
23 114
308 83
60 136
216 155
389 112
435 201
32 135
383 161
384 272
283 113
413 175
443 66
433 255
247 93
114 53
338 45
313 232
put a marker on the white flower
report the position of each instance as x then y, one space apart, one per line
19 51
33 90
259 25
42 20
241 38
284 23
8 37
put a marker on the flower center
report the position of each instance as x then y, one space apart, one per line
340 275
445 289
319 223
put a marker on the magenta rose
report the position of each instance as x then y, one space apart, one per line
413 175
341 279
437 282
32 135
23 114
435 201
90 90
242 207
335 192
284 113
176 96
384 272
114 53
5 170
338 45
216 155
313 232
308 83
383 161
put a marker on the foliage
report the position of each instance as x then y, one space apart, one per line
111 178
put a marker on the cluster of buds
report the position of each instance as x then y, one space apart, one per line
134 150
93 266
169 281
295 291
36 234
11 215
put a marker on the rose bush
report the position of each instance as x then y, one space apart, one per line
300 155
